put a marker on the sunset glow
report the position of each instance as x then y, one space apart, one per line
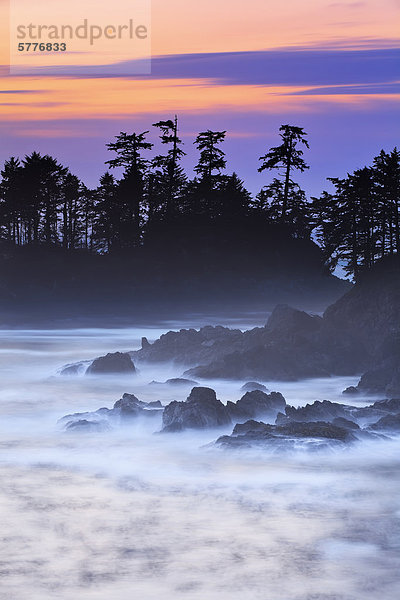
208 60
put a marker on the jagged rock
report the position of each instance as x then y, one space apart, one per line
281 419
74 417
355 334
87 426
258 433
201 410
329 412
393 387
256 404
351 390
191 347
248 426
366 415
375 380
366 319
345 423
391 406
382 379
176 381
181 381
318 411
145 343
387 423
317 429
287 322
128 407
250 386
74 369
116 362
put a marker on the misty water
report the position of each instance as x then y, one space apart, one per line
130 514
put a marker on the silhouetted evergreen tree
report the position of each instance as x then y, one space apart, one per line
70 211
269 204
154 203
287 157
202 189
166 184
129 148
387 177
109 214
358 223
41 192
10 196
232 198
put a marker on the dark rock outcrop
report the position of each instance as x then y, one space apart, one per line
191 347
345 423
389 423
130 407
181 381
72 370
84 426
351 391
391 406
383 379
369 313
286 322
250 386
176 381
115 362
256 405
318 411
253 433
359 333
201 410
127 408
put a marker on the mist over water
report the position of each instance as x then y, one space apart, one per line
129 514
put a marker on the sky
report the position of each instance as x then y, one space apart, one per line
244 67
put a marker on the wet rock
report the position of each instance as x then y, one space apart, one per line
351 391
287 322
250 386
318 411
201 410
317 429
359 333
345 423
73 369
256 404
281 419
181 381
249 426
116 362
282 436
128 407
85 426
391 406
88 416
145 343
375 380
176 381
388 423
366 415
393 387
191 347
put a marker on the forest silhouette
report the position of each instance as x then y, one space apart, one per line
154 231
43 203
